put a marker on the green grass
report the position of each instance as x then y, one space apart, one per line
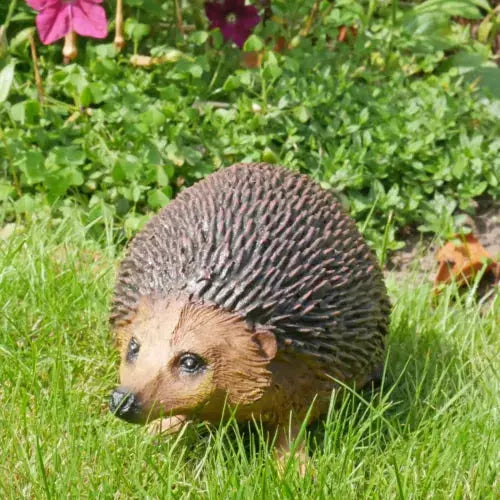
432 432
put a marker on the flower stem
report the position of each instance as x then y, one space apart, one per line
119 39
69 50
310 20
178 15
10 13
36 70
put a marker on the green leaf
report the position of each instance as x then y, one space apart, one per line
169 54
126 168
425 23
269 156
134 223
488 79
106 50
25 111
25 204
74 177
134 3
272 69
136 30
484 30
174 155
462 8
459 167
20 41
217 38
157 199
32 110
86 97
6 79
34 167
18 112
232 82
186 66
4 44
253 43
464 60
479 188
161 176
70 155
151 6
6 191
153 118
302 114
198 37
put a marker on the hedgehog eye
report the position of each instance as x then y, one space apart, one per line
191 363
133 350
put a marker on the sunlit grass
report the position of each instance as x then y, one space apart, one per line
431 432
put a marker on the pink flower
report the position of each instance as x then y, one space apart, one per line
235 19
57 18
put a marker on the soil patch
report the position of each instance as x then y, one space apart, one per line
418 257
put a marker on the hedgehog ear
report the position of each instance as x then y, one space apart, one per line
266 342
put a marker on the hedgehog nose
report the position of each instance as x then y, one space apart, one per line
124 404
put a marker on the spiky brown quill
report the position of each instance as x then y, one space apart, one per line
273 247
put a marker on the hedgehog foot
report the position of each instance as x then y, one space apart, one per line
286 445
170 425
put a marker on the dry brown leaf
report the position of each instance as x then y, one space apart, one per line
459 260
254 59
346 32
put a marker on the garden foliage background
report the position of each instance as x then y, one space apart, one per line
394 105
399 113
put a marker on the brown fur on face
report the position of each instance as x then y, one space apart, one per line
236 359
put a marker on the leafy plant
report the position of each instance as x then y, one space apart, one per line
381 115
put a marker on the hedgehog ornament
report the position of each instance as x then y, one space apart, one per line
251 294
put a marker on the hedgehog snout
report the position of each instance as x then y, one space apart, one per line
125 404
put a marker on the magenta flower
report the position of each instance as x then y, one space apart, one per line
234 19
57 18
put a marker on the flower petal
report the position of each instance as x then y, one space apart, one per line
89 19
215 14
249 19
54 22
234 4
235 33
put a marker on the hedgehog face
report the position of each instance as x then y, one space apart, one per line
179 358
